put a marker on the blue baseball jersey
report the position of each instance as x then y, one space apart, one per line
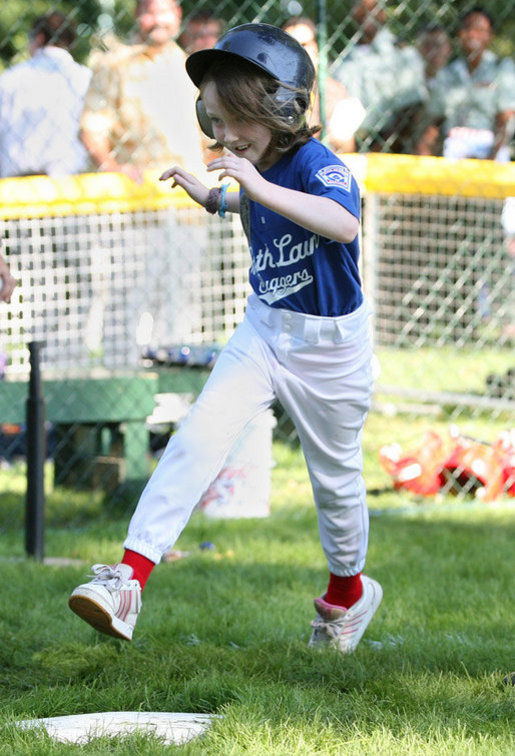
296 269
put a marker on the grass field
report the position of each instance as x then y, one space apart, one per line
225 631
444 369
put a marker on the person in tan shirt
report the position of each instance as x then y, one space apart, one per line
139 111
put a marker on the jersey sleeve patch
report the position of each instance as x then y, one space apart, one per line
335 175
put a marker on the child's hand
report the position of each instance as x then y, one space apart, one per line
243 171
195 188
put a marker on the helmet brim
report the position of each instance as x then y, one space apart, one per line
199 62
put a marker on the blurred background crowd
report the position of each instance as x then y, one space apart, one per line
100 84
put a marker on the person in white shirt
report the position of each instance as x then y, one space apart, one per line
343 113
7 281
385 75
41 101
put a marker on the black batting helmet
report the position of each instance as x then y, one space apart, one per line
270 49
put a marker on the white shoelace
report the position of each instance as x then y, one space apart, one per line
108 576
330 628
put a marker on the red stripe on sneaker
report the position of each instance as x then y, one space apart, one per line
121 605
126 605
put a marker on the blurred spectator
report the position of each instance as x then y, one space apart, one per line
140 108
201 32
472 102
343 113
386 75
469 113
435 47
7 281
41 102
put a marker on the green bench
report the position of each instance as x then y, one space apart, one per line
100 420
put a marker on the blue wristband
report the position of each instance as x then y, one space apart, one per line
223 204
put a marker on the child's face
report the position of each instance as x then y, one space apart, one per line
248 140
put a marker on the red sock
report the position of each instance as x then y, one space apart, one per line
141 565
344 591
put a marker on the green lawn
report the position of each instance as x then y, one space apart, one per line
226 631
462 370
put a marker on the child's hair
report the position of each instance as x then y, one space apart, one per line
248 94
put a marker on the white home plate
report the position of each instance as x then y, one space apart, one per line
80 728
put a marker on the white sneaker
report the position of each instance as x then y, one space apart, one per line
343 628
111 602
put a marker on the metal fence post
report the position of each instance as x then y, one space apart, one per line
322 63
35 498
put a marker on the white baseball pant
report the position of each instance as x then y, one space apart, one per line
320 370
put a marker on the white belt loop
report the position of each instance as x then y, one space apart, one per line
267 316
264 313
340 332
311 331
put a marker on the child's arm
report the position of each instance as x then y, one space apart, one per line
321 215
196 189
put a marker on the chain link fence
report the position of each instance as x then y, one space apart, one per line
131 292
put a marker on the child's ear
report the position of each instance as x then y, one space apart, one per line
203 118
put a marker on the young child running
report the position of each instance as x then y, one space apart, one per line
304 339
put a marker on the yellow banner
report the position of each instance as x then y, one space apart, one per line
104 193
